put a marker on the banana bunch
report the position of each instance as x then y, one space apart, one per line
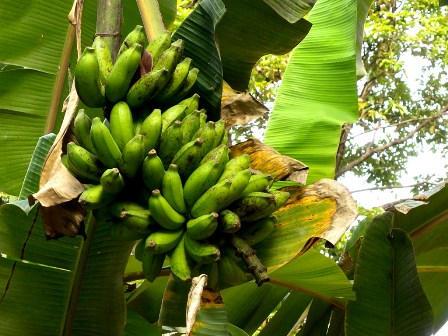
157 74
158 173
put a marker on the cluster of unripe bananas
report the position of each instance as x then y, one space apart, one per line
167 180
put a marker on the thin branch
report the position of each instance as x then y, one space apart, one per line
394 187
371 151
408 121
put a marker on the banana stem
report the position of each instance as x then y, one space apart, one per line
151 17
109 19
253 263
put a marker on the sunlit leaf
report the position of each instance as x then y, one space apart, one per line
322 210
318 91
316 275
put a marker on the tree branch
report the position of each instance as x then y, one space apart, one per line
371 151
408 121
394 187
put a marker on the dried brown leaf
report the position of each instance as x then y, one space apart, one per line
59 190
240 108
267 160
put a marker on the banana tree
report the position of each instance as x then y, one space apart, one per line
76 284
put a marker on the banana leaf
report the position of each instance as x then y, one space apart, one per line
243 42
287 315
425 219
318 91
387 286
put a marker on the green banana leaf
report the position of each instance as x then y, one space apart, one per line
291 10
168 8
318 91
287 315
317 319
387 285
316 275
31 181
136 325
243 42
426 221
198 32
248 306
146 300
235 331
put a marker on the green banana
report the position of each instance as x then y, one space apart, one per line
188 158
163 212
174 84
220 128
258 205
229 271
200 180
203 118
138 220
139 247
112 181
81 129
86 165
132 156
170 57
118 231
95 197
170 142
176 112
172 189
163 241
219 154
192 103
213 200
116 208
120 77
258 182
255 232
203 226
235 165
188 83
103 56
87 79
239 180
105 146
152 264
190 125
137 35
181 262
207 134
159 45
153 171
151 129
226 138
201 251
228 221
121 124
143 90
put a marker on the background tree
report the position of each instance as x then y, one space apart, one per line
402 99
